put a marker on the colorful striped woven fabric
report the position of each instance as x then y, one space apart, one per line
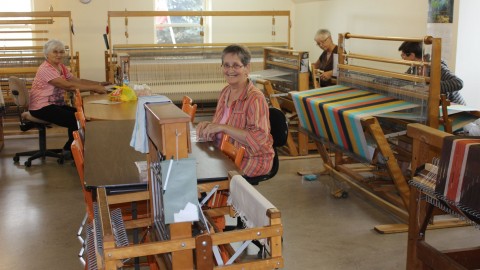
458 178
334 113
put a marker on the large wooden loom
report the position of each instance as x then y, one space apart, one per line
177 253
425 201
285 70
380 177
23 61
171 246
181 69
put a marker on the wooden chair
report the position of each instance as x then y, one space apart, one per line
78 157
78 101
81 121
187 100
234 153
189 108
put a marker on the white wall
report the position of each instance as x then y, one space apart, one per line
468 60
405 18
368 17
90 21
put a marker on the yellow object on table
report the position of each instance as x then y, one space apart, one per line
123 93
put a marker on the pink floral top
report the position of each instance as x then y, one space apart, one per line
43 93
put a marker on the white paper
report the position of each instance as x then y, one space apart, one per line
189 213
104 102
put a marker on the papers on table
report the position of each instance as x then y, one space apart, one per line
104 102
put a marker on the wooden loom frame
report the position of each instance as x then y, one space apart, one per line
109 59
202 244
427 143
35 51
285 103
337 167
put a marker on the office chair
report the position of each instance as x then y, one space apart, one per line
27 122
279 132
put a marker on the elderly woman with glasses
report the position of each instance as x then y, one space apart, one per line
47 96
324 40
242 113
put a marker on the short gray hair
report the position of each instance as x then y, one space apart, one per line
322 32
51 45
239 50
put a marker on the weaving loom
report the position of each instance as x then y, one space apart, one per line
364 117
171 239
285 70
23 61
176 70
110 248
446 179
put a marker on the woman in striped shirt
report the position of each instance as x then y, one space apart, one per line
242 113
450 85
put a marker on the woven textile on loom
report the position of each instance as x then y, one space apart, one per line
458 178
334 113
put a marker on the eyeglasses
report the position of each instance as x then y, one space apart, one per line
58 52
234 66
321 42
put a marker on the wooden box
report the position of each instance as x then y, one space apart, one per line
168 128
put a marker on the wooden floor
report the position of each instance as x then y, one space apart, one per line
42 206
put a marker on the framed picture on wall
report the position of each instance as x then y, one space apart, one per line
440 11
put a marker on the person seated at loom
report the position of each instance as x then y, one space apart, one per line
47 96
242 113
324 40
450 85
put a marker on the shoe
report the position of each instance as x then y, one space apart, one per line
67 155
24 126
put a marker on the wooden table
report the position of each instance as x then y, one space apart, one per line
110 162
119 111
109 158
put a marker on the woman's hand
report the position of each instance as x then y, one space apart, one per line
327 75
201 130
206 131
99 89
211 130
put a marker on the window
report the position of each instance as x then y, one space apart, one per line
16 34
176 30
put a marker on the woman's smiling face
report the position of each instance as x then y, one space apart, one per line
233 69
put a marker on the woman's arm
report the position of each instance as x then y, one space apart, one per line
75 83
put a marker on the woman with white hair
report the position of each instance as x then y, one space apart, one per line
47 96
324 40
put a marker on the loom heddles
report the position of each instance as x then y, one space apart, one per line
406 90
181 71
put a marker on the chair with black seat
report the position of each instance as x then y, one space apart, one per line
279 132
28 122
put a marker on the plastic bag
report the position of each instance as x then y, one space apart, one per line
123 93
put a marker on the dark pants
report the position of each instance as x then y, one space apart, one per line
63 116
